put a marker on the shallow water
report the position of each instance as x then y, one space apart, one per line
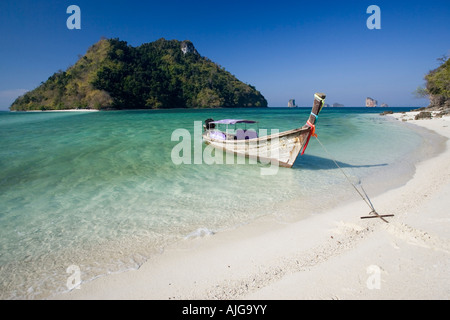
100 190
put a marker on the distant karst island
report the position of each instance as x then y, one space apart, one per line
372 103
159 74
291 103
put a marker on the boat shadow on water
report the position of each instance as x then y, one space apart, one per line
310 162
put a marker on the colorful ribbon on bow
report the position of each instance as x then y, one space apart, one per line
312 132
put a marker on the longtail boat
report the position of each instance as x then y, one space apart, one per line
280 148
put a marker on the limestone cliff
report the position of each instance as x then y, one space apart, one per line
371 103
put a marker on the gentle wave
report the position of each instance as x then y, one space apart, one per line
199 233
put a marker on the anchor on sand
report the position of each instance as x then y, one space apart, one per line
365 197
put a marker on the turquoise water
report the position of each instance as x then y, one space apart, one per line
100 191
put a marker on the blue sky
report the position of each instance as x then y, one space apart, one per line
286 49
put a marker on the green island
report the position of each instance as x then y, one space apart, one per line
113 75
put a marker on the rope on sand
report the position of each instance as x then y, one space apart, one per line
362 193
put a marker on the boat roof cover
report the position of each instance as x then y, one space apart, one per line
232 121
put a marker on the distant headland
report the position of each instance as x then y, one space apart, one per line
160 74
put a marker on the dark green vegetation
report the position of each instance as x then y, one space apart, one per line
438 86
160 74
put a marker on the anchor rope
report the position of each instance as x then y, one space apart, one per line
366 197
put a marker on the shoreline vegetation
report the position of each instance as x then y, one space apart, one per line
437 87
335 255
113 75
437 90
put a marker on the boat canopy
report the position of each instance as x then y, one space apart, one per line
233 121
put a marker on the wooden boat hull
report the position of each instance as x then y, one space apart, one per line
280 149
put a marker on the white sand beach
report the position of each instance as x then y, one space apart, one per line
336 255
64 110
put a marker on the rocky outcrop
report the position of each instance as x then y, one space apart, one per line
423 115
291 103
439 102
371 103
188 47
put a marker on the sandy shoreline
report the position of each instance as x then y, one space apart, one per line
66 110
335 255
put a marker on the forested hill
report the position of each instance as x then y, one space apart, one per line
160 74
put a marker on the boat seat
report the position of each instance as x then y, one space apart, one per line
218 135
246 134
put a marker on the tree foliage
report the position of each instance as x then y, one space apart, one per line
438 80
437 87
